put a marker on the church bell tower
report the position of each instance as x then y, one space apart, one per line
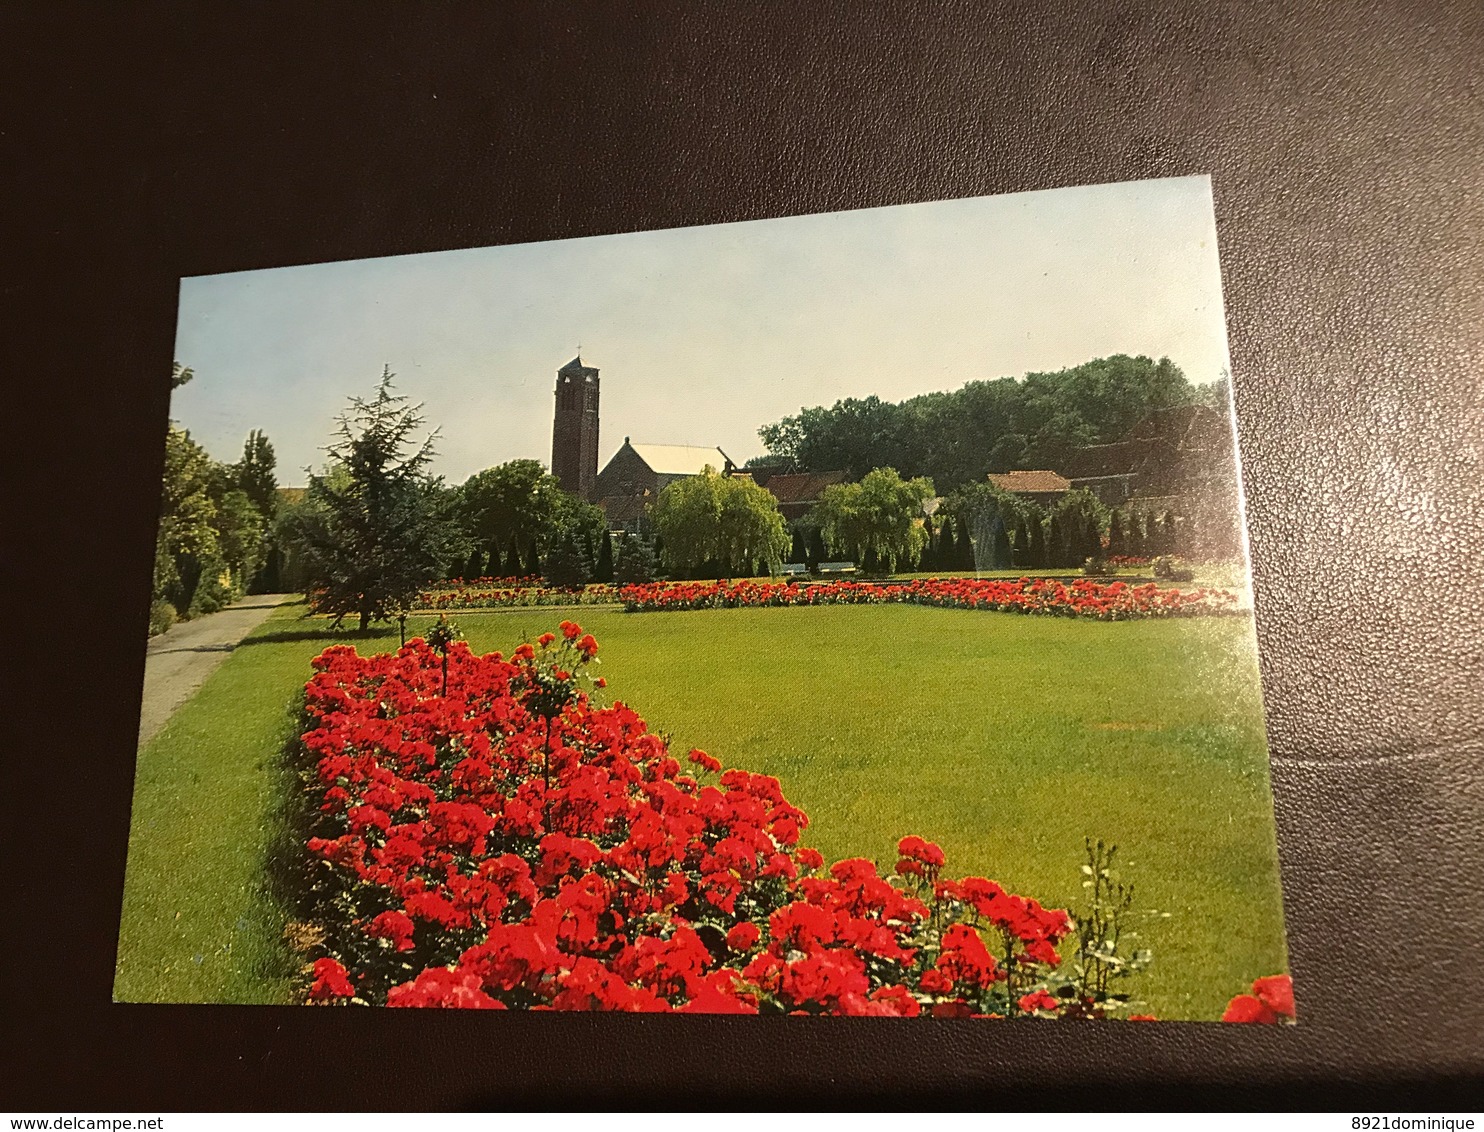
574 429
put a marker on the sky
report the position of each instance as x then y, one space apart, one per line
703 335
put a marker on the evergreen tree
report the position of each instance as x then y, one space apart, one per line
1078 526
1092 538
533 560
568 564
1170 535
1154 536
1038 545
373 535
797 553
927 561
1134 538
1056 544
967 559
947 548
817 552
474 568
634 562
254 475
603 571
1001 545
1117 543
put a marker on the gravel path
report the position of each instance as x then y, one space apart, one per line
180 659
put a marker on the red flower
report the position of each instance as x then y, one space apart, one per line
394 926
743 937
916 849
1276 993
1271 1003
331 980
446 987
1245 1008
1039 1001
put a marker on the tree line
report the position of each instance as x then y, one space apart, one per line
958 437
211 543
374 526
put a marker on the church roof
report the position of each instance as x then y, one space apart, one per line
680 459
576 366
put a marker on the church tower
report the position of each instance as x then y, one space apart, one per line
574 430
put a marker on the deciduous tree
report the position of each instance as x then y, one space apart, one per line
722 519
881 514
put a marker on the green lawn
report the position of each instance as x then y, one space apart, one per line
1006 739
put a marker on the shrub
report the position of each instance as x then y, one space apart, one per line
1169 568
214 592
1099 567
161 616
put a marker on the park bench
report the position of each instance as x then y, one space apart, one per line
836 568
793 570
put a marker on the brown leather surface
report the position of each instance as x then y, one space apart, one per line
1346 145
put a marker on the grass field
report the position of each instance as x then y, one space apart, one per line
1006 739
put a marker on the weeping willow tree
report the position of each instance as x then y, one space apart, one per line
880 517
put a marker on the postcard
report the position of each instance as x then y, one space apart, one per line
832 614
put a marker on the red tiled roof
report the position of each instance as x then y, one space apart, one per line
801 487
1039 482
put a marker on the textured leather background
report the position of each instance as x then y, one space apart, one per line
1346 144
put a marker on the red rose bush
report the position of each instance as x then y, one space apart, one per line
513 843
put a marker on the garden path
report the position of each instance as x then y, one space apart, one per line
180 659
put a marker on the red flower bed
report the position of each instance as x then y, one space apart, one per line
1103 601
515 844
500 593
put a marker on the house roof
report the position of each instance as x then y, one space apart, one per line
680 459
1039 482
801 487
